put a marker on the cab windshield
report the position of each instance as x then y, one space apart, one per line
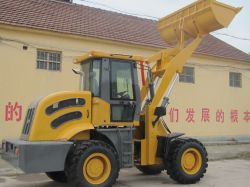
91 76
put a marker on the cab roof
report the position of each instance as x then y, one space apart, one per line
98 54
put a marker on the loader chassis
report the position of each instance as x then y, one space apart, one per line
50 156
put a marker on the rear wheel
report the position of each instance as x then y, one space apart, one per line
92 163
150 170
187 161
58 176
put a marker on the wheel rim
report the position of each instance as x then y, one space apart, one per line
191 161
96 168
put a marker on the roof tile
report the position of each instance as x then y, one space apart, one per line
86 21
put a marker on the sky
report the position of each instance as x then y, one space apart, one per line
154 9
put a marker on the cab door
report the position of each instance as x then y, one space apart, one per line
122 91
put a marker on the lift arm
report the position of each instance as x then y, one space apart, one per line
183 29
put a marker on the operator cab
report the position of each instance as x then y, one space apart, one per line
113 81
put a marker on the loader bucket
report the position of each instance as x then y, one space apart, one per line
197 19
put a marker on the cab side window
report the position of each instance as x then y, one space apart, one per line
91 76
95 78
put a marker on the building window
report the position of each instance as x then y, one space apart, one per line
235 79
187 75
49 60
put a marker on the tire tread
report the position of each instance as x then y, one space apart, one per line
73 160
171 162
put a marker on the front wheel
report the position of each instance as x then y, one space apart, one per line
92 163
187 161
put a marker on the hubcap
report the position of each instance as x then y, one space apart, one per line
96 168
191 161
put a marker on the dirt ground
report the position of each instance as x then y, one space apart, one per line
223 173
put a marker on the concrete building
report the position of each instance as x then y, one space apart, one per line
39 38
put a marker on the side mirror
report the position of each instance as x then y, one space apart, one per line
77 71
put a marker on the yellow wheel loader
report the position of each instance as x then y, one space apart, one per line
116 120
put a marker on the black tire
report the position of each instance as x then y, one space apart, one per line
177 170
81 156
58 176
151 170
